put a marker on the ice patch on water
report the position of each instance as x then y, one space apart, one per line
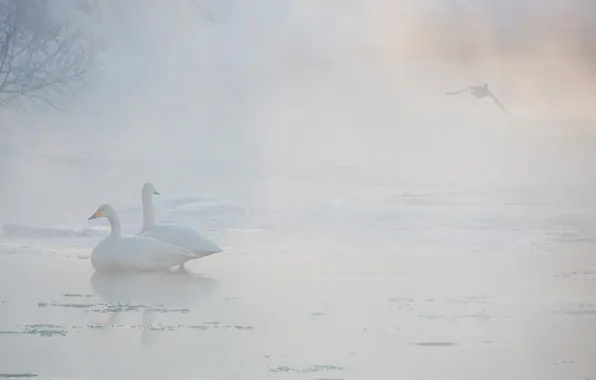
41 330
202 205
65 305
485 223
435 344
480 317
18 249
204 327
200 212
17 375
49 330
112 308
581 309
18 231
314 368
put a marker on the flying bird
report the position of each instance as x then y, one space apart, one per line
479 92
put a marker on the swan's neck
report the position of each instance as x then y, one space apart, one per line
116 226
148 215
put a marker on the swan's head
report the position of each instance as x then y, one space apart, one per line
103 211
149 189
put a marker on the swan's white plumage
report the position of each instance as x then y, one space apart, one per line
133 253
182 236
174 234
137 253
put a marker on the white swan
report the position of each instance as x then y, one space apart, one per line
174 234
133 253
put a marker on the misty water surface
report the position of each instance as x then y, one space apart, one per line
372 227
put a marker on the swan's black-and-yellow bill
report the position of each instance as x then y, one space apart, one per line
96 215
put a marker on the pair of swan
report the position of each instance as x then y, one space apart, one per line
156 247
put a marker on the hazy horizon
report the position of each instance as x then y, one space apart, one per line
363 214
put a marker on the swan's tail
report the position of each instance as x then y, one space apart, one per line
199 254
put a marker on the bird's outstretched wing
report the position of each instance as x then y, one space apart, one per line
457 92
498 102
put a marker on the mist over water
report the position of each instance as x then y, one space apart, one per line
313 140
221 97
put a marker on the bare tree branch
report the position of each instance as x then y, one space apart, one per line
39 57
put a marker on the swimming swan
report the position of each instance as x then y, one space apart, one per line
174 234
133 253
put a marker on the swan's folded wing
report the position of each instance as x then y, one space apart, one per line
149 253
185 237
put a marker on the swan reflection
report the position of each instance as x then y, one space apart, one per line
150 293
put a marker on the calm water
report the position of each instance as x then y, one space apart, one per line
459 267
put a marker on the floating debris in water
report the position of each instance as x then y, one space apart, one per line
119 308
315 368
99 326
408 300
94 326
473 299
243 327
66 305
44 326
204 327
581 312
48 330
125 307
380 329
17 375
431 316
42 330
435 344
402 303
483 342
161 328
481 316
78 295
162 310
110 308
564 362
574 273
580 309
45 330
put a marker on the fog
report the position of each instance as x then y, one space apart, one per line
326 124
219 97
